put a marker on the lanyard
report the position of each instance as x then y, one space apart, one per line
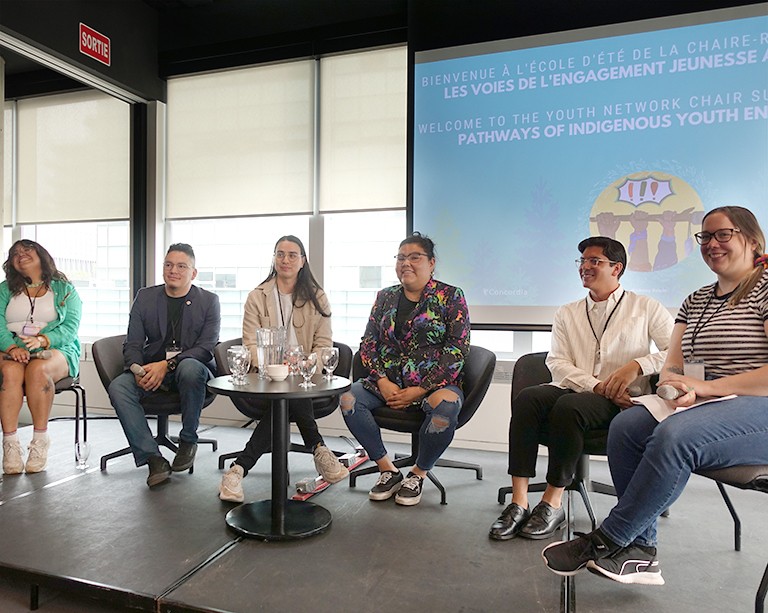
32 301
282 315
701 322
607 321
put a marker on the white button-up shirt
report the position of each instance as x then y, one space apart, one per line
578 362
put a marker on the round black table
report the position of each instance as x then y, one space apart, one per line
280 518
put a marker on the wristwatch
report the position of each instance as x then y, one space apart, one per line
172 363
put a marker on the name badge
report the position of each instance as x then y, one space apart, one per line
172 351
30 329
695 369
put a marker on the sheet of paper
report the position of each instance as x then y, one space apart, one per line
661 409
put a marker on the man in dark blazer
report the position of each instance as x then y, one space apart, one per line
172 331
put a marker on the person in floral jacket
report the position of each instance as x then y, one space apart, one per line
414 348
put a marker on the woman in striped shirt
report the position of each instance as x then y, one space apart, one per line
719 347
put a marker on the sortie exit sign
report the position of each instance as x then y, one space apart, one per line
95 45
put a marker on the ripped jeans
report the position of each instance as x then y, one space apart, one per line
435 435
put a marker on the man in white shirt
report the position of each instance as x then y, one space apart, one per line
601 347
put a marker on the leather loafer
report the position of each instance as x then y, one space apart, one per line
509 523
159 470
544 522
185 457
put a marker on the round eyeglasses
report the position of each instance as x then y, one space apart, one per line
411 257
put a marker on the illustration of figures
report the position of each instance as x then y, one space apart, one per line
666 254
607 224
639 259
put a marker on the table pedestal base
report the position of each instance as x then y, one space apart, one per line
302 519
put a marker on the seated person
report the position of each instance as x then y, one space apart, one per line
600 346
414 347
172 331
39 320
289 297
719 347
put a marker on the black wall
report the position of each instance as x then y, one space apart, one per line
131 25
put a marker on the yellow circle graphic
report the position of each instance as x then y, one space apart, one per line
653 214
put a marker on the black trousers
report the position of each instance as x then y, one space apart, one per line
557 418
299 411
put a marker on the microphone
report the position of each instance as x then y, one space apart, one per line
45 354
138 370
668 392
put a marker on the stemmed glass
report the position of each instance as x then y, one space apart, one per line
82 451
239 361
292 358
329 356
307 367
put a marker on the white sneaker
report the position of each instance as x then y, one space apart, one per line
328 465
13 457
38 455
231 486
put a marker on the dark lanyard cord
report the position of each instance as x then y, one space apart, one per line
31 304
700 323
607 321
282 316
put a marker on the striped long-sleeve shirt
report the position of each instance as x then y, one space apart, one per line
728 340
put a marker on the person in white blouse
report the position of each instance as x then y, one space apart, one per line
601 348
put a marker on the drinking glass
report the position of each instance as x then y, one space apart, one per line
292 358
82 451
329 356
307 367
239 361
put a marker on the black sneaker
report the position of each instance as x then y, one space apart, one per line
185 457
569 557
632 564
409 493
159 470
386 486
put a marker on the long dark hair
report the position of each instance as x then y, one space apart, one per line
17 281
307 286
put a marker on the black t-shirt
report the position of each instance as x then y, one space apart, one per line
175 313
404 309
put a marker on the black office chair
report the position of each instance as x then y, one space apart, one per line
255 409
531 369
745 478
478 373
72 384
108 357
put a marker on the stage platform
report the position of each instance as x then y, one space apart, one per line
103 541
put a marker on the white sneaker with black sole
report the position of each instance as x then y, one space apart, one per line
633 564
409 493
386 486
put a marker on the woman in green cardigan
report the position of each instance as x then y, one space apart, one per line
39 320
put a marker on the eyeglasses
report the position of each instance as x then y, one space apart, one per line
22 248
723 235
291 256
180 267
411 257
594 262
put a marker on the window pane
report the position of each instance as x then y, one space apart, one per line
8 164
97 267
363 125
241 142
234 255
73 158
351 252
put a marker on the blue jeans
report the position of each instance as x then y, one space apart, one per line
188 379
651 462
436 431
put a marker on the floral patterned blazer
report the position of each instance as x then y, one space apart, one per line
434 342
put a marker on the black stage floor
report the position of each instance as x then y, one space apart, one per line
104 542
